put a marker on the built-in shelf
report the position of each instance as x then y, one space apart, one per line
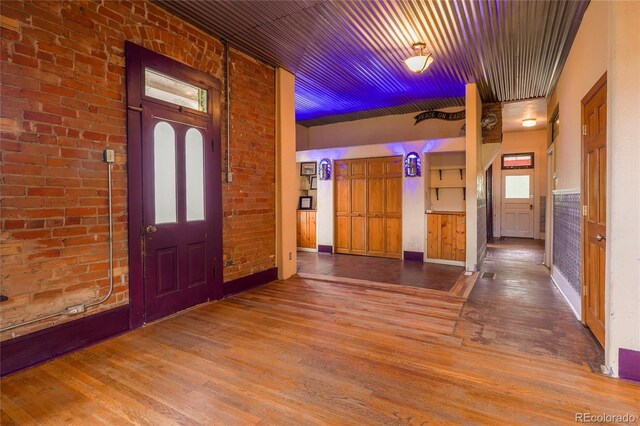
438 188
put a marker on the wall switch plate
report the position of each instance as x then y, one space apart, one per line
109 156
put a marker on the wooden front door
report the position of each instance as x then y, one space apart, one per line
175 226
368 206
594 202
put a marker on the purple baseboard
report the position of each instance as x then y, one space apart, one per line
250 281
417 256
629 364
40 346
325 249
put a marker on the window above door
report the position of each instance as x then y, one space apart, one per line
517 161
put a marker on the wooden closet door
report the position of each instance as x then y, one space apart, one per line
376 206
342 203
393 207
358 175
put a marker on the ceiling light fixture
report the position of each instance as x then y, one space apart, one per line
420 60
529 122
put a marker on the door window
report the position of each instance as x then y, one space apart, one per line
164 167
517 186
194 159
169 89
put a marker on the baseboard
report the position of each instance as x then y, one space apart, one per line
325 249
417 256
250 281
569 294
445 262
44 345
629 364
307 249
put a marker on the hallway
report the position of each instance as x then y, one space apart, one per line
331 352
521 311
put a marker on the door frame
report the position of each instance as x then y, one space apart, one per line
532 197
136 57
602 81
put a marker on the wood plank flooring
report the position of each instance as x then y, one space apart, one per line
522 311
304 352
393 271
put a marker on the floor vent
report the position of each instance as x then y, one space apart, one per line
488 275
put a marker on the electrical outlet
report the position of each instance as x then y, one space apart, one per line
229 177
109 156
290 256
74 310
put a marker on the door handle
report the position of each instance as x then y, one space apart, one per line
530 206
151 229
600 237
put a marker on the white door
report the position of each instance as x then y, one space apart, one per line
517 203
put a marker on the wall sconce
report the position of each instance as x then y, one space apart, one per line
325 169
412 165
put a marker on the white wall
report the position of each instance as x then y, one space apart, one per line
608 41
371 131
623 179
413 207
517 142
302 138
475 173
586 63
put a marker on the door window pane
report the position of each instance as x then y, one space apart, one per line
164 170
169 89
516 186
194 159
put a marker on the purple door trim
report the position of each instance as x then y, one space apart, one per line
137 58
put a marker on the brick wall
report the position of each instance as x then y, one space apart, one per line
63 102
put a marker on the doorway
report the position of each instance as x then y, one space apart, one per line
517 203
594 205
175 226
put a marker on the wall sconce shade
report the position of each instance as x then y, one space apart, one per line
325 169
412 165
420 60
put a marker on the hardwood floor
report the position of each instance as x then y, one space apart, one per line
392 271
312 351
521 310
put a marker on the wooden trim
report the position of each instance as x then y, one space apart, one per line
602 81
250 281
44 345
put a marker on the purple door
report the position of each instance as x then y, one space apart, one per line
177 211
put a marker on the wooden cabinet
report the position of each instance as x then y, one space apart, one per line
446 236
306 229
368 206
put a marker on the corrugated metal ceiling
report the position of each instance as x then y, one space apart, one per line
347 55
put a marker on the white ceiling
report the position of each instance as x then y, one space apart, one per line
514 112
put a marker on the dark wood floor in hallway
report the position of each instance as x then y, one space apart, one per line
521 309
311 351
392 271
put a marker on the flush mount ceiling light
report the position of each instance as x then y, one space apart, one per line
529 122
420 60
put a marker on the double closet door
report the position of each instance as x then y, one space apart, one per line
368 207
